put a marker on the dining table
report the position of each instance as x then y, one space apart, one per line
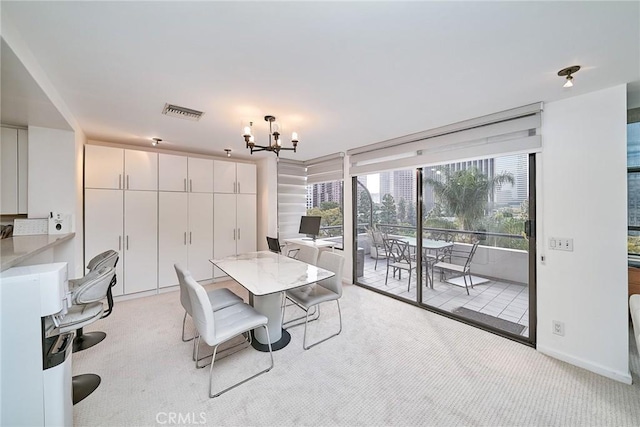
266 276
435 247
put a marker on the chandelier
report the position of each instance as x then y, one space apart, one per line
275 143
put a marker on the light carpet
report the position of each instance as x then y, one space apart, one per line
393 364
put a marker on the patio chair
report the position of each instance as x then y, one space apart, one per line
377 243
399 258
463 270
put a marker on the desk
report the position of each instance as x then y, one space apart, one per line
318 243
266 275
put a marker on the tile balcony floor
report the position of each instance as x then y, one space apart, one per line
507 301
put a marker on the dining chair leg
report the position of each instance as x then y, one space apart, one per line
470 280
464 276
304 340
289 323
386 279
246 379
184 319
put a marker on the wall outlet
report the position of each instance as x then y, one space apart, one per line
561 244
558 328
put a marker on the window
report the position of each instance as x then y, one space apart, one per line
633 181
324 199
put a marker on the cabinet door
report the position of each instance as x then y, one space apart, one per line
224 227
172 173
200 175
140 241
224 177
23 169
246 177
172 236
246 223
103 228
9 170
103 167
141 170
200 235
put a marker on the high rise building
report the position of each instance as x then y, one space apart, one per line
516 193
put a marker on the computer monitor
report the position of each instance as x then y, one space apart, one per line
310 225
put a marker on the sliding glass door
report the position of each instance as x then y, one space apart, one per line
475 256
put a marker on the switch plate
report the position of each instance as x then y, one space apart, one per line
561 244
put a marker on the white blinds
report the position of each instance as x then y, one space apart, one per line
324 169
508 132
292 196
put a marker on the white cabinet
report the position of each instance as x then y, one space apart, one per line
201 235
234 225
200 175
140 241
13 167
173 172
117 168
172 235
229 177
185 235
180 173
104 227
125 221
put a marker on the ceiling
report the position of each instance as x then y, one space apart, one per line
341 74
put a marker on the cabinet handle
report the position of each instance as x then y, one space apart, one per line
127 242
234 186
189 237
127 182
191 186
185 237
185 184
234 234
238 234
119 243
238 187
119 181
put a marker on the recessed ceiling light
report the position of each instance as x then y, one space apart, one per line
155 141
228 151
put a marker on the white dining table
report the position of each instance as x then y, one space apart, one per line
428 244
266 275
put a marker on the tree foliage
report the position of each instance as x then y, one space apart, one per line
465 193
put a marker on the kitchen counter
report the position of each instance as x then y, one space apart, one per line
15 250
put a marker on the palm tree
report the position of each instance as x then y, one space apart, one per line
465 193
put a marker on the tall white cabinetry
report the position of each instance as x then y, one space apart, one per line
235 223
185 228
121 213
13 171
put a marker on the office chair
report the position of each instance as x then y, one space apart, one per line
218 327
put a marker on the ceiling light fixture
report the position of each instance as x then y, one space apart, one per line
567 72
228 151
275 144
155 141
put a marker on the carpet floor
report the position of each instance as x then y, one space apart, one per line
394 364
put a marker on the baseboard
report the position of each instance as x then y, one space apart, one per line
623 377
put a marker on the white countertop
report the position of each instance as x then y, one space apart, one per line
15 250
265 272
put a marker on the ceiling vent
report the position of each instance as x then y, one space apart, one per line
182 112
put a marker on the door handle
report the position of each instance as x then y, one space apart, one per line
127 182
127 242
234 187
185 184
119 181
191 186
189 237
238 187
185 237
119 243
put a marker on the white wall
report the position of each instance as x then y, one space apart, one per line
53 184
267 173
582 194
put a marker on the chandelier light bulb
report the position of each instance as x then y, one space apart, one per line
274 143
246 131
294 137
